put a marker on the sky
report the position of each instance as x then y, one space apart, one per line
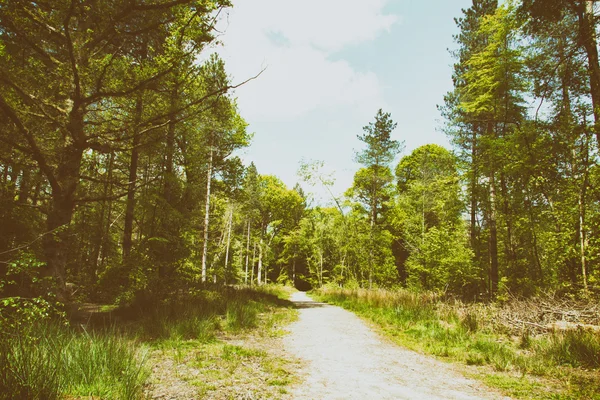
329 65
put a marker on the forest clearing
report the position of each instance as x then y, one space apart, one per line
153 242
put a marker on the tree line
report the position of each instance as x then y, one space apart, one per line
119 175
514 208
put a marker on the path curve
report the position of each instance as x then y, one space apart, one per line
347 360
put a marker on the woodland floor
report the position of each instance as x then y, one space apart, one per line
345 359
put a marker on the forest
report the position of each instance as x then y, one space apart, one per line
120 177
121 180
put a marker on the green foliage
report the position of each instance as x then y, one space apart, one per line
129 111
526 172
426 218
18 313
381 148
23 274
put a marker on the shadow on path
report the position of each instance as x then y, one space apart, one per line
308 304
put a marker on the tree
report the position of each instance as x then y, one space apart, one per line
372 183
465 129
427 217
62 64
492 95
553 11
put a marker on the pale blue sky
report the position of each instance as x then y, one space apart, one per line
330 65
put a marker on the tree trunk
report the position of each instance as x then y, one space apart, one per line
473 183
493 241
99 239
105 237
508 245
133 167
247 253
582 237
371 245
582 211
55 244
37 189
24 185
260 255
253 260
230 222
321 267
540 271
294 270
169 193
587 32
206 214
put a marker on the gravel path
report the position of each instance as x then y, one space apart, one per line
347 360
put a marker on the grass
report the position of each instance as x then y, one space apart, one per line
239 361
45 358
246 372
52 360
558 365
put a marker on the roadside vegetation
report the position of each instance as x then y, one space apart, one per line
135 351
526 348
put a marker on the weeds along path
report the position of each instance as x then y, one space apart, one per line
347 360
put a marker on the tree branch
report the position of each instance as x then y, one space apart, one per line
37 154
73 61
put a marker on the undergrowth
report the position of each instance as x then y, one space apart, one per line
43 356
469 333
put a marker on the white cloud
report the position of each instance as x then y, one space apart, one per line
294 40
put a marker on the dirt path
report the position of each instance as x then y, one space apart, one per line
347 360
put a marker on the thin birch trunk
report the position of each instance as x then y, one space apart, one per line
206 215
260 254
247 253
228 244
253 259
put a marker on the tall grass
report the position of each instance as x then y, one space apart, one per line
201 314
49 360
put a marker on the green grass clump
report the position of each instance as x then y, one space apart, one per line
242 316
577 348
50 361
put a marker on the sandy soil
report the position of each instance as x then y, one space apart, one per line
347 360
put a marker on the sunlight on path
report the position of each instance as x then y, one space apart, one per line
347 360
